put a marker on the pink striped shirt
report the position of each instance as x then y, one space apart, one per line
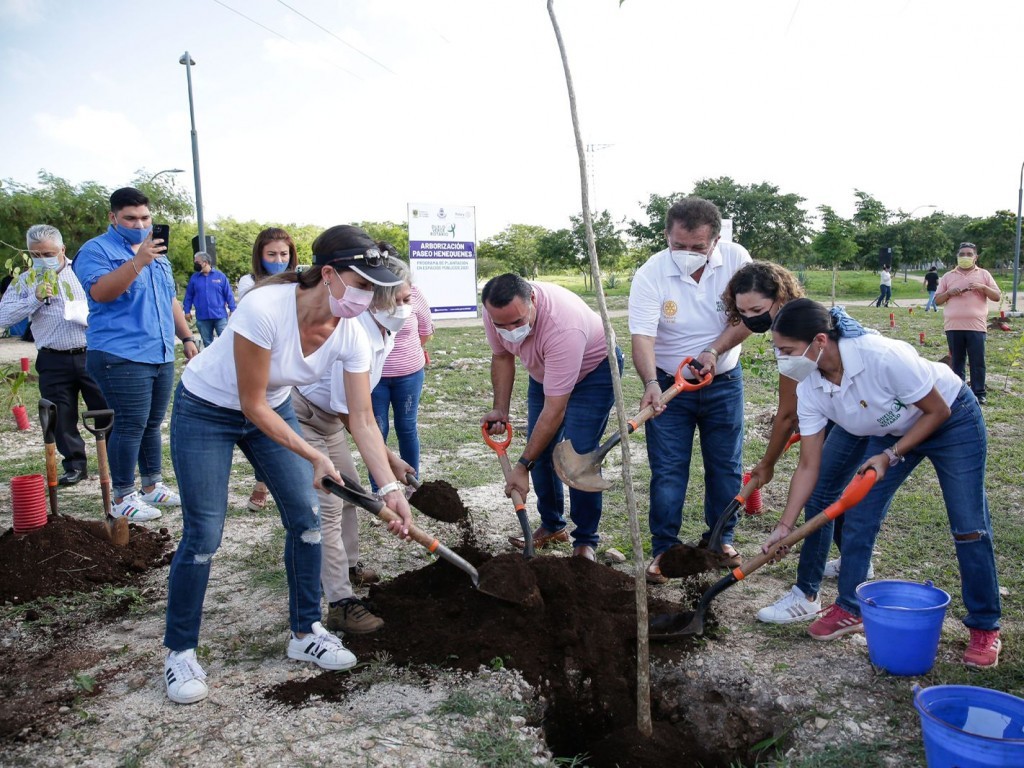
407 356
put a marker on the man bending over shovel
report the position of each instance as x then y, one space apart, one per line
562 345
676 311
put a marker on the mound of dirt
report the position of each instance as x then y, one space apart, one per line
439 500
578 646
70 555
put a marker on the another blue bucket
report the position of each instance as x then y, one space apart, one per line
968 727
902 622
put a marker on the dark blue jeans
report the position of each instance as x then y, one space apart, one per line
203 437
586 416
717 411
207 328
139 394
841 456
968 346
958 452
402 394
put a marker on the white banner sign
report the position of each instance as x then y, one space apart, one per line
442 257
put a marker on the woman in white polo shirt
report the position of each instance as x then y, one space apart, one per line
911 409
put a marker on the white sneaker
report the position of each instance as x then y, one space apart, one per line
184 677
162 496
793 606
832 569
322 648
133 507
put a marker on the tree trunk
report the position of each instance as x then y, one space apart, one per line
643 664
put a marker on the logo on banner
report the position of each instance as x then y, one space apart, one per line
440 213
442 230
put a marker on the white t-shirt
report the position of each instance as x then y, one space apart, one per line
328 394
245 284
886 278
272 323
683 316
882 378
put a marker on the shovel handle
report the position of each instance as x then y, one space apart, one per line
851 496
499 447
99 432
680 384
411 479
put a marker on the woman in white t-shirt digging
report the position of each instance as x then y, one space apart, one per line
289 332
911 409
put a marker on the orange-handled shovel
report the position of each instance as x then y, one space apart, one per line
48 422
669 626
500 448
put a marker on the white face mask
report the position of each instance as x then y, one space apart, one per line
393 320
798 367
43 263
515 335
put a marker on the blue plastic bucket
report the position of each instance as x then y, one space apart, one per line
968 727
902 623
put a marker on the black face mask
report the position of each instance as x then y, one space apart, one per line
758 323
197 267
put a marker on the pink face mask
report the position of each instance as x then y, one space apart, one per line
353 302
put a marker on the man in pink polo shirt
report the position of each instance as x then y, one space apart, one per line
964 294
561 343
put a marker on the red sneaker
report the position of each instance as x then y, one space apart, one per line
983 650
835 622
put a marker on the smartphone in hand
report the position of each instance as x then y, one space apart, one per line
162 232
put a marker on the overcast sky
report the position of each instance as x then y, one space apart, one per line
367 105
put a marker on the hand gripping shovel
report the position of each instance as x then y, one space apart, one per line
506 470
584 472
48 422
352 492
116 527
715 540
670 626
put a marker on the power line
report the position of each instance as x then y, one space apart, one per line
275 32
323 28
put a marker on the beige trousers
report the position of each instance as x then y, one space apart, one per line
339 521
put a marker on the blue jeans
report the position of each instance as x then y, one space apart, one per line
957 451
884 295
139 394
586 416
841 456
208 327
203 436
717 411
964 346
402 393
931 302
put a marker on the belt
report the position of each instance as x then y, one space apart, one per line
662 374
75 351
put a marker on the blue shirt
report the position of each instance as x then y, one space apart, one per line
139 324
211 294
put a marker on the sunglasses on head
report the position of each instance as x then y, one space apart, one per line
372 257
967 245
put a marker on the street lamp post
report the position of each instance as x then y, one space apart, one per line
1016 248
189 63
910 216
161 173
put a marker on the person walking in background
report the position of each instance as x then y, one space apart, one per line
675 312
885 286
238 393
964 294
273 253
134 315
210 292
931 284
401 380
569 395
59 321
911 409
326 410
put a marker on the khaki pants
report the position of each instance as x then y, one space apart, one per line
339 521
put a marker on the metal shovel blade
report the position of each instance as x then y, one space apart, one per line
581 472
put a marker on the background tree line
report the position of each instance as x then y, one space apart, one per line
771 224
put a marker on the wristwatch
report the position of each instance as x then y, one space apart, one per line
526 463
894 458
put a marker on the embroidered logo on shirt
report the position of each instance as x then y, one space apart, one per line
893 415
669 308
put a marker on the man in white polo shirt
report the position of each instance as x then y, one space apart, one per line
676 311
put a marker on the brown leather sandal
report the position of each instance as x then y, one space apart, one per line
257 501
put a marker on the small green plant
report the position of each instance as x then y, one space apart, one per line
83 682
12 378
497 664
